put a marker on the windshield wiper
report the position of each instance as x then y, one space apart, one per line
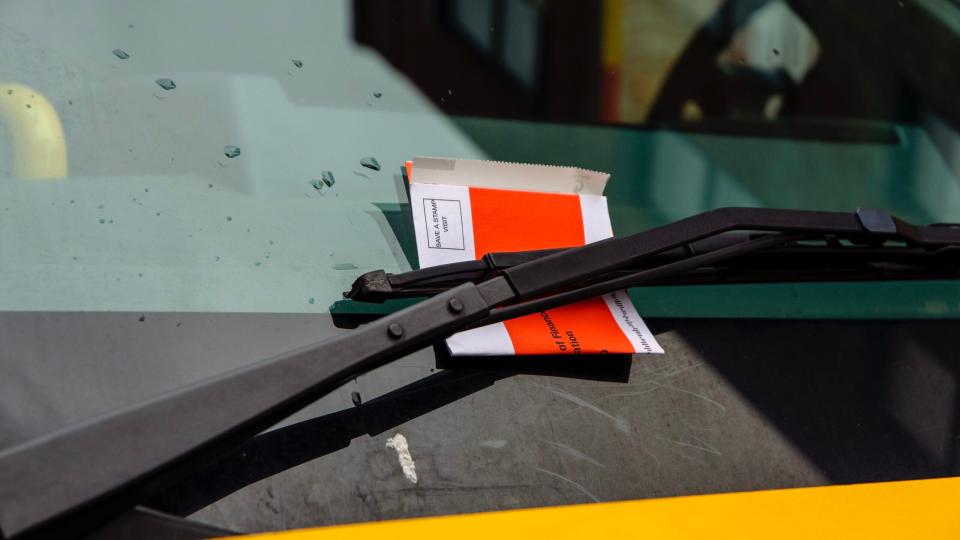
826 257
75 480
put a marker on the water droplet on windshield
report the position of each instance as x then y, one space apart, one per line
355 398
142 318
776 52
229 218
166 84
231 152
9 92
258 263
121 54
319 185
102 221
378 95
312 300
297 63
370 163
327 178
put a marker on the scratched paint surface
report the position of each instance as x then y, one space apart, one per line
675 427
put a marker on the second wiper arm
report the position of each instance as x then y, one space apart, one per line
824 253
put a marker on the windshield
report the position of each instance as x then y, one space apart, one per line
189 187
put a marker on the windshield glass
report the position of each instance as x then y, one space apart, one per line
187 187
178 147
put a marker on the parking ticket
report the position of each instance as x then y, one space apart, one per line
463 209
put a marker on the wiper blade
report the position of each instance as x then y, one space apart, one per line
72 481
814 257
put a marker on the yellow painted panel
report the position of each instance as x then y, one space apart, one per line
610 37
910 509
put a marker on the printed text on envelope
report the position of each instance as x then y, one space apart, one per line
444 222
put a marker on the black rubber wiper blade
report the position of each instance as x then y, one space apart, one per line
554 271
840 253
70 482
791 262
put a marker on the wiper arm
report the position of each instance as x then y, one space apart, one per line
74 480
815 257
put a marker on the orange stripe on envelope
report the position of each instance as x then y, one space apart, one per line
524 220
585 326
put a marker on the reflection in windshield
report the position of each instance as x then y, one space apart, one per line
765 108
